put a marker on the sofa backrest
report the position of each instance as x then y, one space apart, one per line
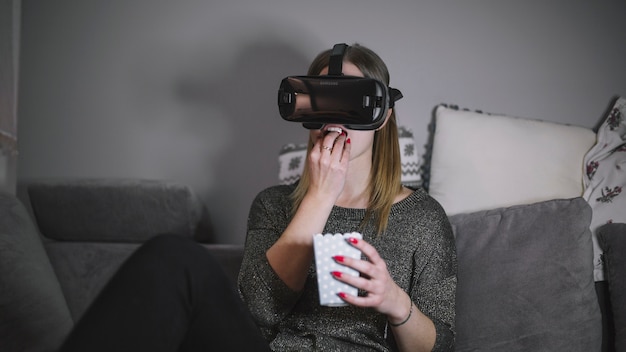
117 210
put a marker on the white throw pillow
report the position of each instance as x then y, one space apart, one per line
485 161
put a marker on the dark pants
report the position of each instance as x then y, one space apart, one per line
170 295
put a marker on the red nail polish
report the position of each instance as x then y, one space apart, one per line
336 273
338 258
342 294
353 240
348 141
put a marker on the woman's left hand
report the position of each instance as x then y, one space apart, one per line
383 294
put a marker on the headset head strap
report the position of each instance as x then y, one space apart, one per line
335 65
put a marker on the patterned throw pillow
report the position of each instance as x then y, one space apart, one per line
291 161
292 157
605 177
411 175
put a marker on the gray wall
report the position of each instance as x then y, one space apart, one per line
186 90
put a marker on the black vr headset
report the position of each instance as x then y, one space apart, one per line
358 103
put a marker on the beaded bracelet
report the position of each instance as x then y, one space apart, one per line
405 320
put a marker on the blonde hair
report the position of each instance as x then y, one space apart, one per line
384 184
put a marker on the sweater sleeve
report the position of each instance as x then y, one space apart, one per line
268 298
434 287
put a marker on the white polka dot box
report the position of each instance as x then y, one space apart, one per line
326 247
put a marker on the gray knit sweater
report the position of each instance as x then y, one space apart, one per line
418 248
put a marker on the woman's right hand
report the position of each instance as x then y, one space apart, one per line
292 254
328 163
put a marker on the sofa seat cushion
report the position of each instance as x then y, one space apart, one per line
525 279
117 210
84 268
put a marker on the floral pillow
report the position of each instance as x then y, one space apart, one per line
605 177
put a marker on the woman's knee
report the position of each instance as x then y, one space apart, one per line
173 253
168 243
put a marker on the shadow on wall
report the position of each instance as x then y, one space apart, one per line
247 96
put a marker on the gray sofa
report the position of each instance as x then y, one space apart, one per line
524 281
61 243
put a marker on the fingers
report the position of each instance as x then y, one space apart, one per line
374 278
328 164
368 251
332 144
345 157
374 290
328 160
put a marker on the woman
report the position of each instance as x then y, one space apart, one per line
171 295
351 182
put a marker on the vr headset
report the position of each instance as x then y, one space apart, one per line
358 103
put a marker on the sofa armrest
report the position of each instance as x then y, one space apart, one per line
612 240
34 315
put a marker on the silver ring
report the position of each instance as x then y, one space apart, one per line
327 148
